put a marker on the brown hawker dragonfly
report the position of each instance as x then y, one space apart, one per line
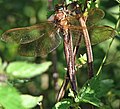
39 40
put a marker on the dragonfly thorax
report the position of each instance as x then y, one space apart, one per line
60 17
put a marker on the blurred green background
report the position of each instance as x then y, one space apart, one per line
21 13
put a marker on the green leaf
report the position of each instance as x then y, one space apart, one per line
54 2
116 92
29 11
64 104
118 27
2 66
82 59
71 93
26 70
43 11
10 98
88 93
93 90
8 50
103 89
69 1
0 63
118 1
29 101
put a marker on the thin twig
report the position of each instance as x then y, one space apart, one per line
63 87
105 57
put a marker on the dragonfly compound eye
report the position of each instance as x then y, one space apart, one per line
60 7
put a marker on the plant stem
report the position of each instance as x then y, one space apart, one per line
63 88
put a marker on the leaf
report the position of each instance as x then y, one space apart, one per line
71 93
118 1
0 61
29 101
29 11
103 89
8 50
54 2
93 90
64 104
88 93
69 1
116 92
26 70
118 27
82 59
10 98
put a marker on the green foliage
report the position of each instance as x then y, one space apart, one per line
88 93
64 104
82 59
118 1
26 70
29 11
102 91
91 92
10 98
29 101
118 27
8 51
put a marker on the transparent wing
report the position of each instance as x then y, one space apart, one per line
28 34
76 36
94 16
101 33
97 35
41 46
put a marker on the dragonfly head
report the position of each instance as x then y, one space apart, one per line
60 14
60 7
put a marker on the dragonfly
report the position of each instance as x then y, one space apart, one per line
43 38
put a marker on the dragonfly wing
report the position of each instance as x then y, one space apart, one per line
76 36
27 34
41 46
101 33
94 16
